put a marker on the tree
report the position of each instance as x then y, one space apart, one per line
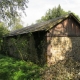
55 12
9 9
3 31
52 13
17 25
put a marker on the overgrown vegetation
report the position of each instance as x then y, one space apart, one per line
3 31
14 69
21 47
63 70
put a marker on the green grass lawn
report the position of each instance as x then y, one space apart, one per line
14 69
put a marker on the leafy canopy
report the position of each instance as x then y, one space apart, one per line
3 31
55 12
9 9
17 25
52 13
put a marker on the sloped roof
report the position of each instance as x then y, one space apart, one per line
43 26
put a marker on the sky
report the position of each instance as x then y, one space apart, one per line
37 8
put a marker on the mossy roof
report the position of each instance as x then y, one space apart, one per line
42 26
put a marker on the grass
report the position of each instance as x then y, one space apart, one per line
13 69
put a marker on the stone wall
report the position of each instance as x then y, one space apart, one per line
22 47
60 48
41 49
27 47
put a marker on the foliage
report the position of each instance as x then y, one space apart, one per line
53 13
21 46
17 25
68 69
3 31
14 69
9 9
77 16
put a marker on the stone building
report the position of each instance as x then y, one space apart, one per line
46 42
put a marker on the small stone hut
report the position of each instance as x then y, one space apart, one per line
46 42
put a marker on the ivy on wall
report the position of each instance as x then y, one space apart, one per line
18 47
27 47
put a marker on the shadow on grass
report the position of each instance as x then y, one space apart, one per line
12 69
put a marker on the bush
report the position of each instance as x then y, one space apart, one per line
12 69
